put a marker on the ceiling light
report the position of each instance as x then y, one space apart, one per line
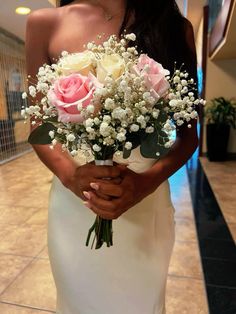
23 10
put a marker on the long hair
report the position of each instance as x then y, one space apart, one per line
161 32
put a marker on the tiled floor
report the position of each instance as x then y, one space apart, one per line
222 178
217 246
26 283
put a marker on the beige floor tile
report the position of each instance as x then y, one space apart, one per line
185 230
229 213
44 253
180 195
185 260
184 211
34 200
10 267
232 228
39 218
15 215
33 287
223 188
12 309
6 230
24 240
185 296
30 187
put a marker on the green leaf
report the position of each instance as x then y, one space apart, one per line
221 111
40 135
126 153
152 144
51 119
134 138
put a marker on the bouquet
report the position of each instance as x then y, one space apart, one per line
109 99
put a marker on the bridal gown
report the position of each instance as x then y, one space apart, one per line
127 278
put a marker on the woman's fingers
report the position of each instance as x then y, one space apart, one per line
103 196
105 209
101 213
107 188
101 172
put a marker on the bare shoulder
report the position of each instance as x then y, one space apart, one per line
43 20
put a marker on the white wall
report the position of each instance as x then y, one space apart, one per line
221 81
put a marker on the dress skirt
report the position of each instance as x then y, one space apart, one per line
127 278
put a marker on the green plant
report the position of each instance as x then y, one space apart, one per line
221 111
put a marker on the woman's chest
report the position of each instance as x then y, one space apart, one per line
73 35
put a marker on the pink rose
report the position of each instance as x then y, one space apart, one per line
154 75
71 93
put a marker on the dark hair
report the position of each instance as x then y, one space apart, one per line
162 32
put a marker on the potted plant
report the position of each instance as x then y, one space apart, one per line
220 114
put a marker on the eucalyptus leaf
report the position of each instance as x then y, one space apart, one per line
40 135
152 145
134 138
52 119
126 153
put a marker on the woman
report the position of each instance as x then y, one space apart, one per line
129 277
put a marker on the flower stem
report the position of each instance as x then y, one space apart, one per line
103 233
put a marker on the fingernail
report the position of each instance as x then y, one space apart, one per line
86 204
87 195
94 186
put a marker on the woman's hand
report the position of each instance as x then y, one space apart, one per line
85 174
132 189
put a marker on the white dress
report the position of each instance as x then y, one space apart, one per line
128 278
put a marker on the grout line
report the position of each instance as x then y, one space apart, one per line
18 255
184 219
27 306
14 279
218 259
185 277
38 257
216 240
186 241
22 206
220 286
25 256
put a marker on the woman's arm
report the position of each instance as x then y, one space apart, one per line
38 32
40 27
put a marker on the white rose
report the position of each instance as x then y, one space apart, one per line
81 63
112 65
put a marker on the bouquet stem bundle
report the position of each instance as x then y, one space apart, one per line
102 228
